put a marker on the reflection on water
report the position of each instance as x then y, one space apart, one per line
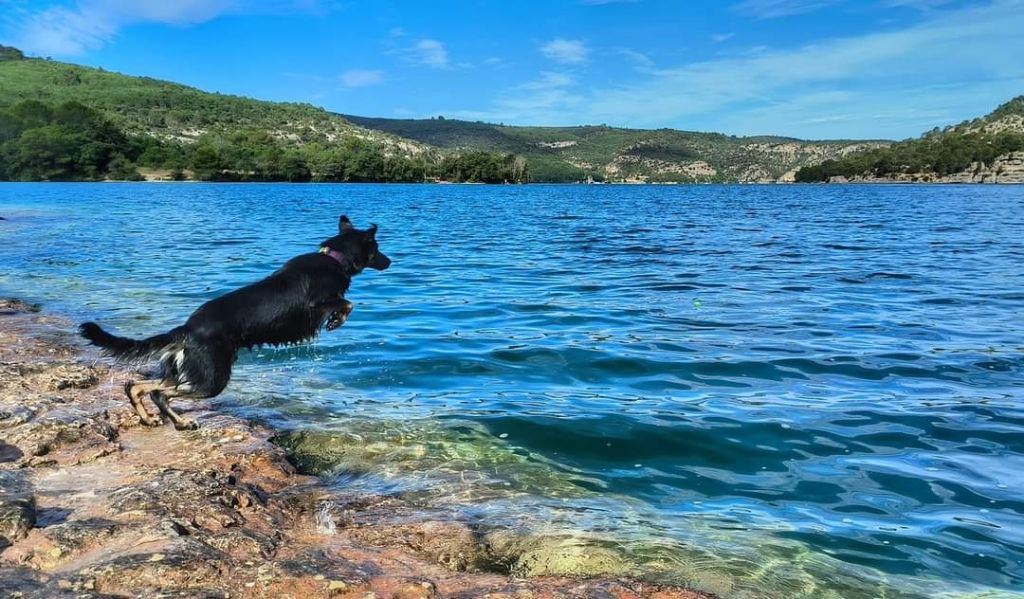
763 391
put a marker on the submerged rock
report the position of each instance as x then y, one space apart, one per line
10 305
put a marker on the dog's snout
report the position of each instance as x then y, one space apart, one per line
380 262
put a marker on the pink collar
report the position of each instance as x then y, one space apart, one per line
338 256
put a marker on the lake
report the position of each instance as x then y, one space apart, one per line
770 391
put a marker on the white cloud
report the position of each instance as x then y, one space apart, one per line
718 38
889 84
641 60
90 24
542 100
565 51
770 9
361 78
427 52
918 4
549 80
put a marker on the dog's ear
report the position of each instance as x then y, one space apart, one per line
344 224
371 233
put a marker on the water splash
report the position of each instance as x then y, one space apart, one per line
325 520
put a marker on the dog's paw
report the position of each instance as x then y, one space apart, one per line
187 425
336 319
151 421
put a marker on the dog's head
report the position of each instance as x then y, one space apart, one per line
358 247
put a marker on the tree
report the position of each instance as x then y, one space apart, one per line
122 169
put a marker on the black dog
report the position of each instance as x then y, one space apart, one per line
287 307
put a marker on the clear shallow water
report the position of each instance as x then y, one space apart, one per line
765 391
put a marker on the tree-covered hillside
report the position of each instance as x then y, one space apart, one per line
175 112
959 151
616 154
182 132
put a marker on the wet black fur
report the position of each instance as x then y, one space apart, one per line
287 307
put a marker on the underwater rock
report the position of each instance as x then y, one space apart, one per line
10 305
535 555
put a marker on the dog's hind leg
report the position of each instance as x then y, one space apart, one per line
162 399
135 392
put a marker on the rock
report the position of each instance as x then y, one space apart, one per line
71 376
241 543
451 544
415 590
337 587
59 543
17 507
11 305
183 564
570 559
14 417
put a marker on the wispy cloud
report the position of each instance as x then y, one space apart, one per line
718 38
918 4
565 51
90 24
361 78
898 82
642 61
771 9
545 99
427 52
548 81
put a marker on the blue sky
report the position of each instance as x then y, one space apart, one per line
806 68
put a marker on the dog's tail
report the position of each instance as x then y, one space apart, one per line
126 349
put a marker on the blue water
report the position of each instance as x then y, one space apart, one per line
764 391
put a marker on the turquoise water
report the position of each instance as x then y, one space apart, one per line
762 391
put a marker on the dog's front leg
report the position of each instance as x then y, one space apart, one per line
337 311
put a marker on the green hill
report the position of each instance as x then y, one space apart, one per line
52 112
984 150
169 111
616 154
49 111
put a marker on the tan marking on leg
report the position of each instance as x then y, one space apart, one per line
135 391
162 399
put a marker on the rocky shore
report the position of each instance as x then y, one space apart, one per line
93 504
1006 169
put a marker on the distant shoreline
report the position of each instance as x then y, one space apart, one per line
550 183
